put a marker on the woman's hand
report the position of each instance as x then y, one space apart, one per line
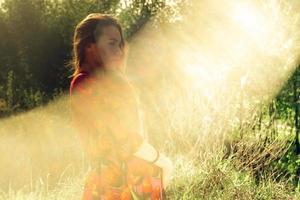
149 153
167 166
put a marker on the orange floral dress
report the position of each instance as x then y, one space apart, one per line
104 109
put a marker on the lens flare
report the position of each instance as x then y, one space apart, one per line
197 77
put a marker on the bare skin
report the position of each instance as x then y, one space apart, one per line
106 52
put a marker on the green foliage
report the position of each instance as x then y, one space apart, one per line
285 102
134 17
214 178
11 106
33 98
36 43
289 164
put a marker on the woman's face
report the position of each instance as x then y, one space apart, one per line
108 48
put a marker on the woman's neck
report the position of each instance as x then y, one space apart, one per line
88 67
98 71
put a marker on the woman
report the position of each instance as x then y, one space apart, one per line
106 112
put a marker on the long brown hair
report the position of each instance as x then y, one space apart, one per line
87 31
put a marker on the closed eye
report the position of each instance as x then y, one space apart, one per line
114 42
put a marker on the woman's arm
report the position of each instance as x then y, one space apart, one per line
106 105
109 106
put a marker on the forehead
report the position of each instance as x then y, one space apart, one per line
111 32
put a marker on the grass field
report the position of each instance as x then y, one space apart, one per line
48 163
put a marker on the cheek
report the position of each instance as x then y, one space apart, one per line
101 55
107 52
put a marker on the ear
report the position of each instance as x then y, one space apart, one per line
90 49
93 51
